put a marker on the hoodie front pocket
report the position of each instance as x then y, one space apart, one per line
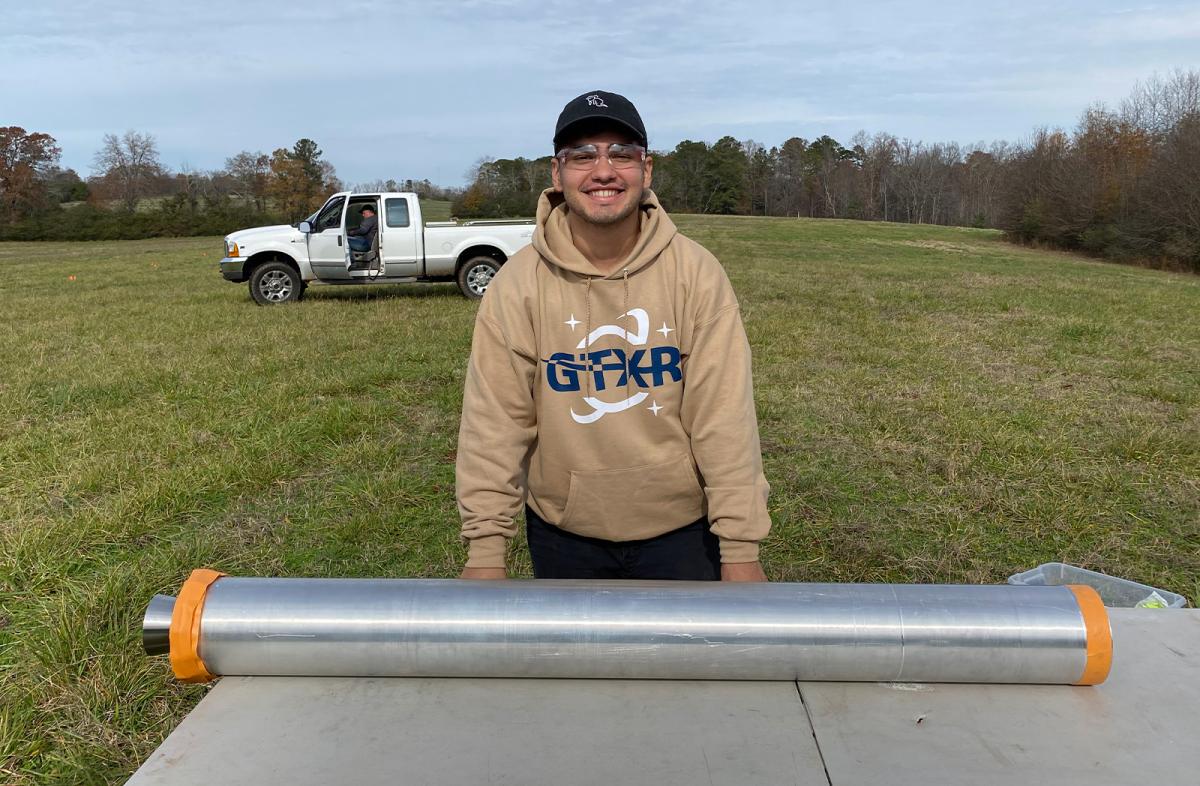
634 503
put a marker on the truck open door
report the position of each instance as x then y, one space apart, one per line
326 244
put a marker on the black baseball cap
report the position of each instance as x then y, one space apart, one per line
599 105
367 207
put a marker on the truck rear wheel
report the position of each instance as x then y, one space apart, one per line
476 275
275 282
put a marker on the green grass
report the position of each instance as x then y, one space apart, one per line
935 406
435 210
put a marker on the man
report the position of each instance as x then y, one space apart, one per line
609 384
361 237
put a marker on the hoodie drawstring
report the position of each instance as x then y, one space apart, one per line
625 312
587 332
587 325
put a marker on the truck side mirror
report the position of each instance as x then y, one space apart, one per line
305 227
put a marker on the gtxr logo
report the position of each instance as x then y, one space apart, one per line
643 368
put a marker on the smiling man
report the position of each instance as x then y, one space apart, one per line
609 386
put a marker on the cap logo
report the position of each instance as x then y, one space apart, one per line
596 101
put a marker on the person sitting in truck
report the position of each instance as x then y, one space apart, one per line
360 237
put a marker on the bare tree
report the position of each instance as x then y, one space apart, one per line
329 177
128 166
250 173
1169 197
976 182
1159 103
192 185
391 184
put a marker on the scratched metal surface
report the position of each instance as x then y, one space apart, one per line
642 630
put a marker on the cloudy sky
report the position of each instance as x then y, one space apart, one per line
423 89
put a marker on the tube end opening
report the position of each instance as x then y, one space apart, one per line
156 625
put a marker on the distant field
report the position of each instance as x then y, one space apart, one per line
435 210
935 406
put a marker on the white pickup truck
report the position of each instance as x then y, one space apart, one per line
280 261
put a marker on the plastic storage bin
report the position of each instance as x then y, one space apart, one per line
1116 593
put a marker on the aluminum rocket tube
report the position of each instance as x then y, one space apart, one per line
643 630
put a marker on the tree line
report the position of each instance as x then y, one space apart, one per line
878 178
133 195
1124 184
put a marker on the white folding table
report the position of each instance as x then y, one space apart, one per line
1141 726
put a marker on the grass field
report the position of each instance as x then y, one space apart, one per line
435 210
935 405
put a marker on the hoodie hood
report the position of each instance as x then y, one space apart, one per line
552 236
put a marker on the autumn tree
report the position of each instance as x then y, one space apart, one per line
300 179
25 158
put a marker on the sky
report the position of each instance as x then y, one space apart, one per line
425 89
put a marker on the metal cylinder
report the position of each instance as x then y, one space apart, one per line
651 630
156 625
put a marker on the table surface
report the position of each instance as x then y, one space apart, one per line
1141 726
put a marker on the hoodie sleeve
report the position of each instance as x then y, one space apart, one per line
718 413
498 427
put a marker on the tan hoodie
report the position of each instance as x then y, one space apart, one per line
621 406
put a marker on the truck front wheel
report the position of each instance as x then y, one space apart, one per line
275 282
475 275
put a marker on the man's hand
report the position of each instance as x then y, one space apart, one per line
742 571
484 573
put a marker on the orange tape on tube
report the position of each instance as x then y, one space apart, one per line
1099 635
185 627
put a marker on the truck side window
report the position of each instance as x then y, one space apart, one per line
331 215
397 212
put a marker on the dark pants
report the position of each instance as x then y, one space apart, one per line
690 553
359 243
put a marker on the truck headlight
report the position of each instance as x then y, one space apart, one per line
231 249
